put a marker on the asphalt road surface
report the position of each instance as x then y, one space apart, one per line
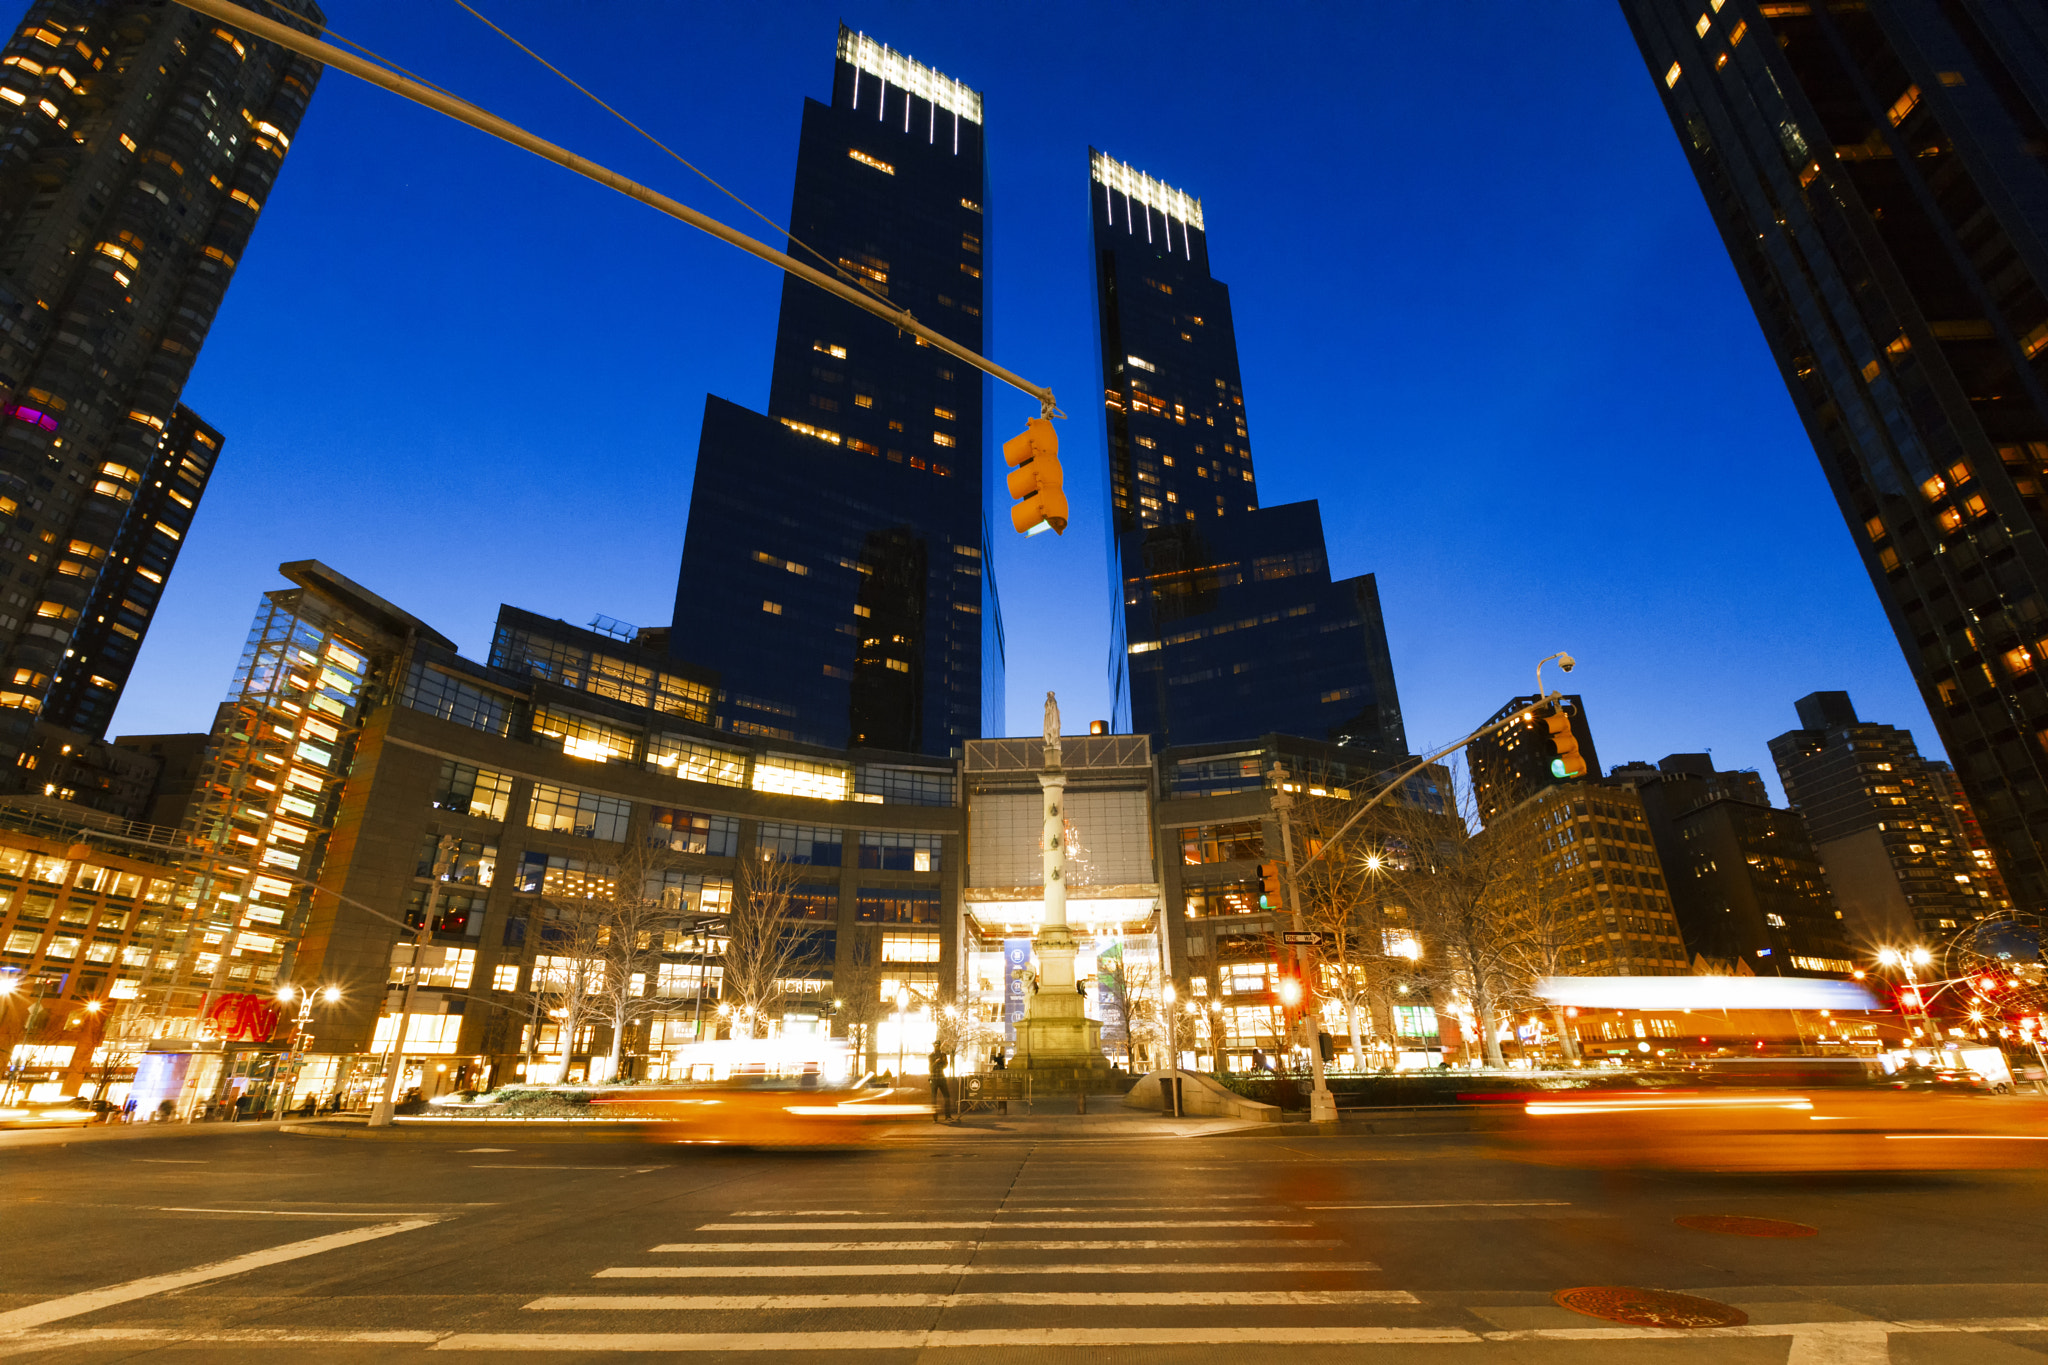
249 1246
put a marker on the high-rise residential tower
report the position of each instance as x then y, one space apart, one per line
1512 765
1877 174
835 571
1226 622
138 143
1886 825
1746 885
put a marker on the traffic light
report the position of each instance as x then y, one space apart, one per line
1569 762
1036 479
1270 893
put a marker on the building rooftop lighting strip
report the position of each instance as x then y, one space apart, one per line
894 68
1134 183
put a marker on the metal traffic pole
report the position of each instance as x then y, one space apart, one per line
381 1111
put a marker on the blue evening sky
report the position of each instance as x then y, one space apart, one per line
1484 317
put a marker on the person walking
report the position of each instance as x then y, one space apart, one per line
942 1095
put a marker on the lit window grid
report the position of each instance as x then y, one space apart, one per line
1135 184
790 776
904 786
906 73
902 947
691 893
603 675
440 693
815 845
584 737
696 762
565 810
899 851
563 877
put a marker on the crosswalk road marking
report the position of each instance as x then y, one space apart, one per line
941 1340
1019 1244
1011 1223
776 1272
1222 1298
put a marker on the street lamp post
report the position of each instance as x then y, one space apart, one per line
1322 1105
295 1055
380 1113
1905 960
902 1003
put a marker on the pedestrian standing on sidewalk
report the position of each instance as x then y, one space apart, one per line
942 1096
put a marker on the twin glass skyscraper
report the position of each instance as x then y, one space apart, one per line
1225 623
836 571
1879 173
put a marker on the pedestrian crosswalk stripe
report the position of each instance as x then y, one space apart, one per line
1141 1206
771 1272
999 1245
1221 1298
1042 1337
1013 1223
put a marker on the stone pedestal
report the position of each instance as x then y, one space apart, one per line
1056 1034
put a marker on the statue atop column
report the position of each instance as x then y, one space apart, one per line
1052 729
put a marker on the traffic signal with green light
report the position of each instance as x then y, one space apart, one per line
1271 895
1569 762
1036 481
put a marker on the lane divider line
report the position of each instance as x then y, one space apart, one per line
774 1272
73 1305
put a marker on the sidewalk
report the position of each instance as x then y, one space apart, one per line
1114 1125
120 1132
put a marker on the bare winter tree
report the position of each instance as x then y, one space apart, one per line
633 922
763 948
1203 965
857 983
567 973
1338 890
1469 899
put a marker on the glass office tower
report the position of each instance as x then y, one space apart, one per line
835 570
1226 622
138 143
1877 174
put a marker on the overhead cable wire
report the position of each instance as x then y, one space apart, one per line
849 276
453 106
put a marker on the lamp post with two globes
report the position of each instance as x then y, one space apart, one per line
295 1055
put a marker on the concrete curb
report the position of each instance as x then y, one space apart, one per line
123 1132
533 1130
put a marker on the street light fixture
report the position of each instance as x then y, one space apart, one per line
1905 960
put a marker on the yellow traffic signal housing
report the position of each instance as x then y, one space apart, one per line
1270 892
1036 480
1569 762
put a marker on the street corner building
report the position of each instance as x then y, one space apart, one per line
138 144
835 569
1226 622
1876 173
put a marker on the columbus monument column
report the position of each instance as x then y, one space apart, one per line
1057 1035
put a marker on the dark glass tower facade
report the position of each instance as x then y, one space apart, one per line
138 143
1877 173
1226 622
1512 765
835 570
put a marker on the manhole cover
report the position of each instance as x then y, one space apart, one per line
1648 1307
1737 1225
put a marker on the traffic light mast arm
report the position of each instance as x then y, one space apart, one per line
1520 715
464 112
